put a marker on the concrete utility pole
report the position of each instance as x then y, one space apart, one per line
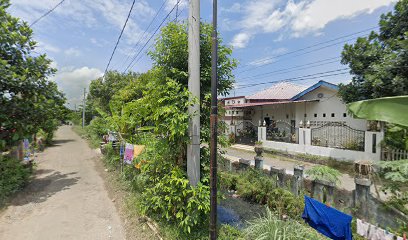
213 123
193 148
83 110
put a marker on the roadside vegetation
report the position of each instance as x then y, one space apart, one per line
32 107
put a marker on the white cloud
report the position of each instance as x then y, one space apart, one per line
171 3
72 81
72 52
88 13
234 8
298 18
272 58
241 40
46 47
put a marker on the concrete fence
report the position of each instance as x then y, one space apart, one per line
372 148
359 202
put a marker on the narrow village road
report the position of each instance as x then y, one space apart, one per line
66 200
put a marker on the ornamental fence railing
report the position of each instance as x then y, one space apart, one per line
338 135
282 131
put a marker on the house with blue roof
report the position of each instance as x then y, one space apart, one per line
286 110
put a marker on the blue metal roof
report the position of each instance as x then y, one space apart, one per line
315 86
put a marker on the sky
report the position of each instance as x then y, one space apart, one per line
273 40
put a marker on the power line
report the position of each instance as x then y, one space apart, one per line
309 75
294 79
45 14
305 48
312 76
120 36
145 31
157 29
295 68
300 54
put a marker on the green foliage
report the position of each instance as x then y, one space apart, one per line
324 173
174 199
396 137
397 173
29 102
98 126
272 228
13 175
255 186
379 62
102 91
227 232
152 109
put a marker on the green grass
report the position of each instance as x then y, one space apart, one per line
93 140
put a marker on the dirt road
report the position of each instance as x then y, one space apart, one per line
66 200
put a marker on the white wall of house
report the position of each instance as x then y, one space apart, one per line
284 112
329 108
372 151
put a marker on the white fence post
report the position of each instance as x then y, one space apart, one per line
308 136
261 133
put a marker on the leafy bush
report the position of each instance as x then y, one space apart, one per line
227 232
13 175
324 173
397 173
257 187
98 127
283 202
173 199
228 181
272 228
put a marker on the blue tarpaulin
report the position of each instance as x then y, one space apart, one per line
327 220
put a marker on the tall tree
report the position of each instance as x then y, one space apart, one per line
28 100
379 62
102 90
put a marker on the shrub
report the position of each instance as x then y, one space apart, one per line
324 173
228 181
272 228
257 187
98 127
173 199
227 232
13 175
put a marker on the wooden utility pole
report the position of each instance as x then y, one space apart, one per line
193 148
83 110
213 122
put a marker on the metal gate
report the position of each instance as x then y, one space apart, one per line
338 135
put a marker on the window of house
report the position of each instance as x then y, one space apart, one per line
233 101
239 101
227 102
324 114
344 114
315 115
305 115
236 112
287 116
332 115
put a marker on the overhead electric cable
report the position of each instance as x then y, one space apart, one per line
157 29
305 48
295 68
294 79
120 36
145 31
309 75
45 14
